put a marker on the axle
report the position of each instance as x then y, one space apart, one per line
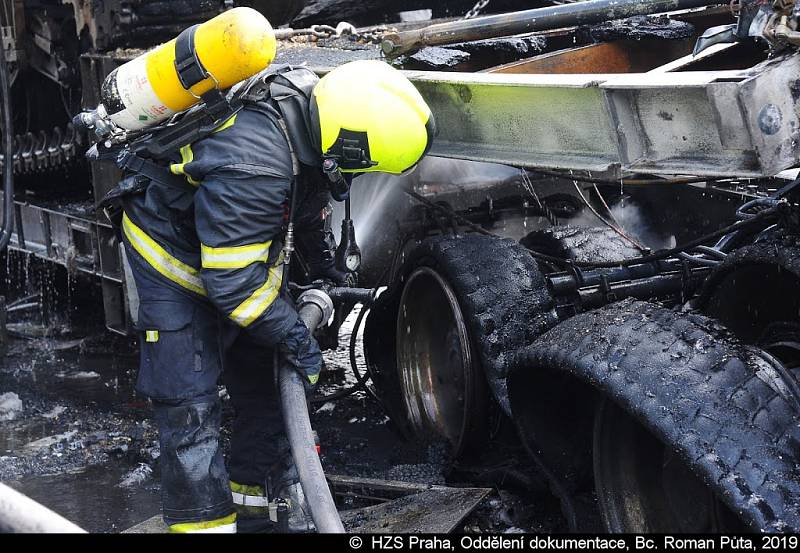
579 290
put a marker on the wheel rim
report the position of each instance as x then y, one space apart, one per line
782 340
435 360
643 486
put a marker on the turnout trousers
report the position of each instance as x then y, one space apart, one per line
186 346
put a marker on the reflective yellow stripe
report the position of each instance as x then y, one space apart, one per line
151 335
227 124
236 257
178 272
224 524
247 489
249 499
187 156
261 299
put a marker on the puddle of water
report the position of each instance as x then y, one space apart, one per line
14 436
93 498
102 378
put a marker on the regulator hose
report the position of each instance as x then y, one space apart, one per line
361 378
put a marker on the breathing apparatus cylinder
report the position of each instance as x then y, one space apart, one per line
219 53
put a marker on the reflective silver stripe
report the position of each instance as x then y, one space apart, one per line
250 500
236 257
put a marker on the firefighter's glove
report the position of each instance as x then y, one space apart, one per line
301 351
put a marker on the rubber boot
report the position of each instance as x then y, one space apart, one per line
194 483
286 485
252 507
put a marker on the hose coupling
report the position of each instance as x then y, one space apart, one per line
318 299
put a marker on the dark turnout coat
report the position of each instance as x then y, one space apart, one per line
221 237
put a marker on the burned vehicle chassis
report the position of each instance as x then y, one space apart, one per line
645 380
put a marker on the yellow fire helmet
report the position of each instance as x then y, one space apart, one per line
371 118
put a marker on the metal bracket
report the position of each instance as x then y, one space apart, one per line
721 34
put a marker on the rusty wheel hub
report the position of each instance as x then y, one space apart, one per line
434 359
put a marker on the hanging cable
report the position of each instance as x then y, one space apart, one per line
610 225
7 226
614 219
657 256
361 378
529 188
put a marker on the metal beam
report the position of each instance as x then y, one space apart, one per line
530 21
711 123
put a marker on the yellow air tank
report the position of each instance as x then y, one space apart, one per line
231 47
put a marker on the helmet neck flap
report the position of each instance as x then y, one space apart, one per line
291 90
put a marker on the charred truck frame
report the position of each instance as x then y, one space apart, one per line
651 377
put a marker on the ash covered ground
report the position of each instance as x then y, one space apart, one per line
76 437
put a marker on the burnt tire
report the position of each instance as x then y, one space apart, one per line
755 291
585 245
716 402
500 291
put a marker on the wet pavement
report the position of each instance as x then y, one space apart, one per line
75 436
82 442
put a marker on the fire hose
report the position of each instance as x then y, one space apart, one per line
315 308
22 514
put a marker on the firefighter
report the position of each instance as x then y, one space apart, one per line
208 263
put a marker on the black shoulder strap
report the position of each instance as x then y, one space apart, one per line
194 125
129 161
189 67
257 88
